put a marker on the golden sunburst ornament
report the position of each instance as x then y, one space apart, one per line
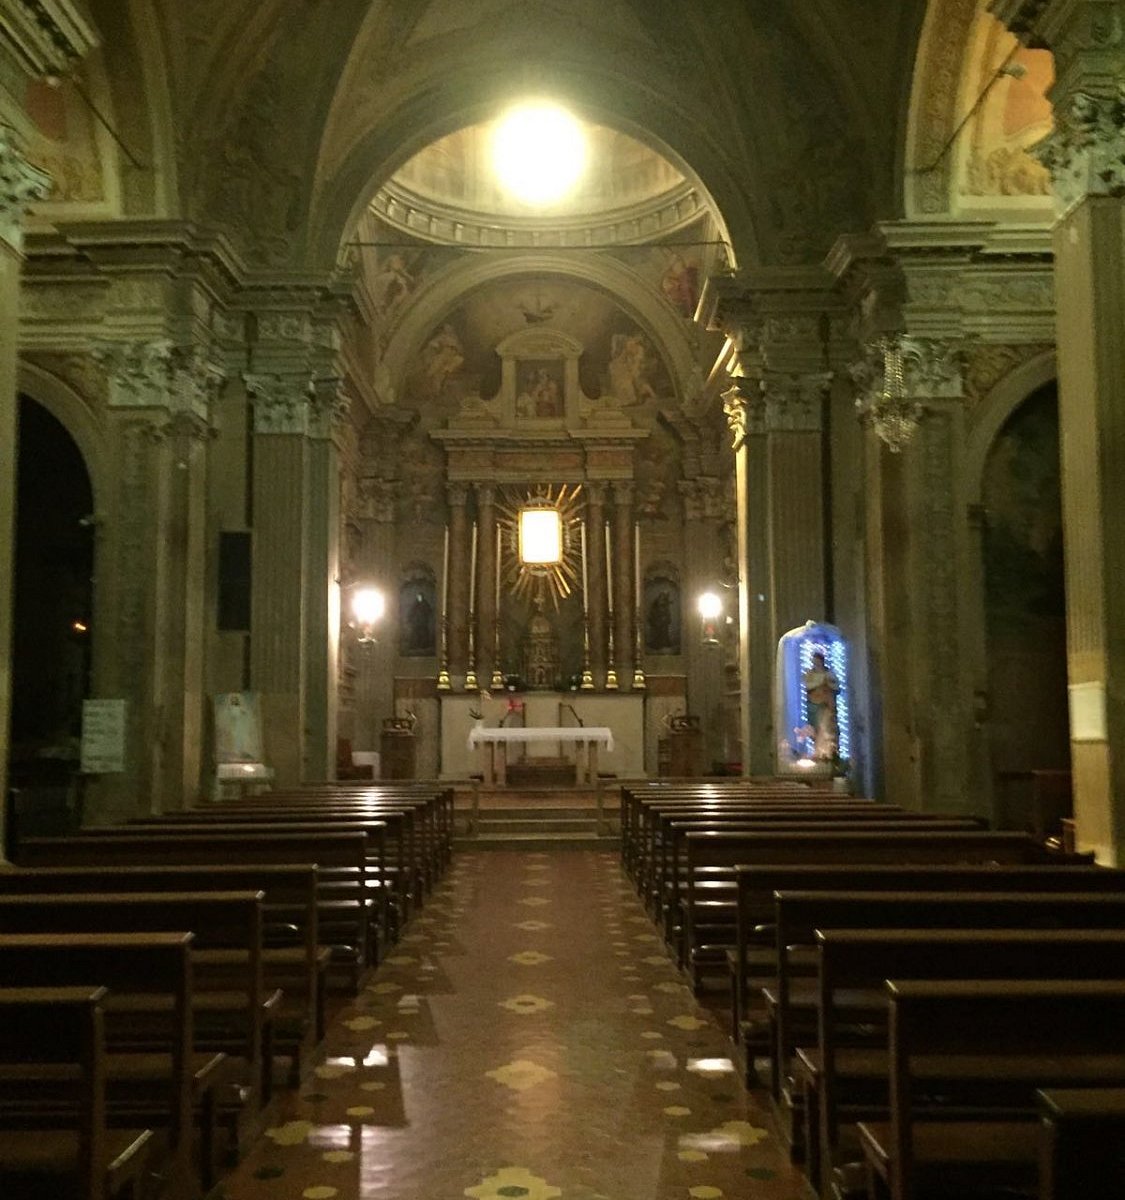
540 547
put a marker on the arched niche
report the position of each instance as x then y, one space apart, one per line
980 167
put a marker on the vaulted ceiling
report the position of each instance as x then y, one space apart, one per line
282 118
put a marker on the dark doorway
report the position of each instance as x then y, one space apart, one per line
1025 613
54 566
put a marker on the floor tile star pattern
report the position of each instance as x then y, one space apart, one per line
449 1076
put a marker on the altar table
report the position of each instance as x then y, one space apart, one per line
494 742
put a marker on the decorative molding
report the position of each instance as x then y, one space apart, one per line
47 37
1086 152
155 373
21 185
794 403
736 408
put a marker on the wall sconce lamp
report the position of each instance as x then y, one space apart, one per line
369 606
710 607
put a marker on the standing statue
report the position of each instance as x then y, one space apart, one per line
821 686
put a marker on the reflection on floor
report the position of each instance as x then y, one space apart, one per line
529 1037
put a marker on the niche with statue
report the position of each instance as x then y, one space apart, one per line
662 617
812 710
417 613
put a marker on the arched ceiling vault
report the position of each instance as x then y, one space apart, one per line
285 117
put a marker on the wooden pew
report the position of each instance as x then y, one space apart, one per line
154 1075
754 961
45 1028
1081 1143
293 959
845 1070
339 857
917 842
232 1011
948 1039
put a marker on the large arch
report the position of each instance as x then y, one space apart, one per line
458 280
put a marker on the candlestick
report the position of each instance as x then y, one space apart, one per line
585 582
473 574
445 575
499 550
639 682
497 681
444 683
608 572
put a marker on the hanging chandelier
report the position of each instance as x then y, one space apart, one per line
883 403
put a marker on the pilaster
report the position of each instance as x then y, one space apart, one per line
1086 156
20 185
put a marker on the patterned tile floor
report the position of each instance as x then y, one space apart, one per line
529 1037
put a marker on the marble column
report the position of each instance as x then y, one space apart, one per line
278 625
457 495
744 408
1086 157
322 574
20 185
595 571
624 594
486 582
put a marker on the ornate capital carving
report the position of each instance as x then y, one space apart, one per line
794 403
623 494
21 185
281 403
330 407
457 495
1086 152
158 374
595 494
486 494
736 408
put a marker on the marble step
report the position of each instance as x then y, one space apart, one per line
490 823
537 841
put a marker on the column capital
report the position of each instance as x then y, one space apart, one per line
1086 151
486 494
624 492
794 402
330 407
156 373
457 495
736 406
595 493
281 403
21 185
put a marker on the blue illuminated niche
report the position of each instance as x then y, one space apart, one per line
812 708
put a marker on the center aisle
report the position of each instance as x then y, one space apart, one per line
528 1037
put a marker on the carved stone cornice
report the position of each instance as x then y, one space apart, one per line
21 185
1086 151
47 37
282 404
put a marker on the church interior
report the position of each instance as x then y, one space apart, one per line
557 606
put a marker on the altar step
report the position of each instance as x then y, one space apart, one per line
539 827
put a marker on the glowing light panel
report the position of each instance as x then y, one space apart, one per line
368 606
540 537
538 152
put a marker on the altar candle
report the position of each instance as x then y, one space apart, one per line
608 570
585 602
445 575
473 573
637 563
499 550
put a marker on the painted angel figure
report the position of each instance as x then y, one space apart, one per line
628 367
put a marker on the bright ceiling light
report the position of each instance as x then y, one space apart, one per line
539 152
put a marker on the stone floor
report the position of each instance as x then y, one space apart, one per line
529 1037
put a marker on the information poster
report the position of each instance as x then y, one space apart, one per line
103 737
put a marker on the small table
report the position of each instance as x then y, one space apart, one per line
495 741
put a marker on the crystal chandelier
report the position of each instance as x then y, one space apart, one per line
884 405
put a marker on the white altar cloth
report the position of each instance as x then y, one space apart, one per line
493 743
599 734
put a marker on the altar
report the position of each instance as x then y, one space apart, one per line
544 725
493 745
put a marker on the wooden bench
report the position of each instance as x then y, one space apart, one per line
232 1011
154 1075
1081 1143
293 958
63 1029
948 1040
845 1071
754 960
340 857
